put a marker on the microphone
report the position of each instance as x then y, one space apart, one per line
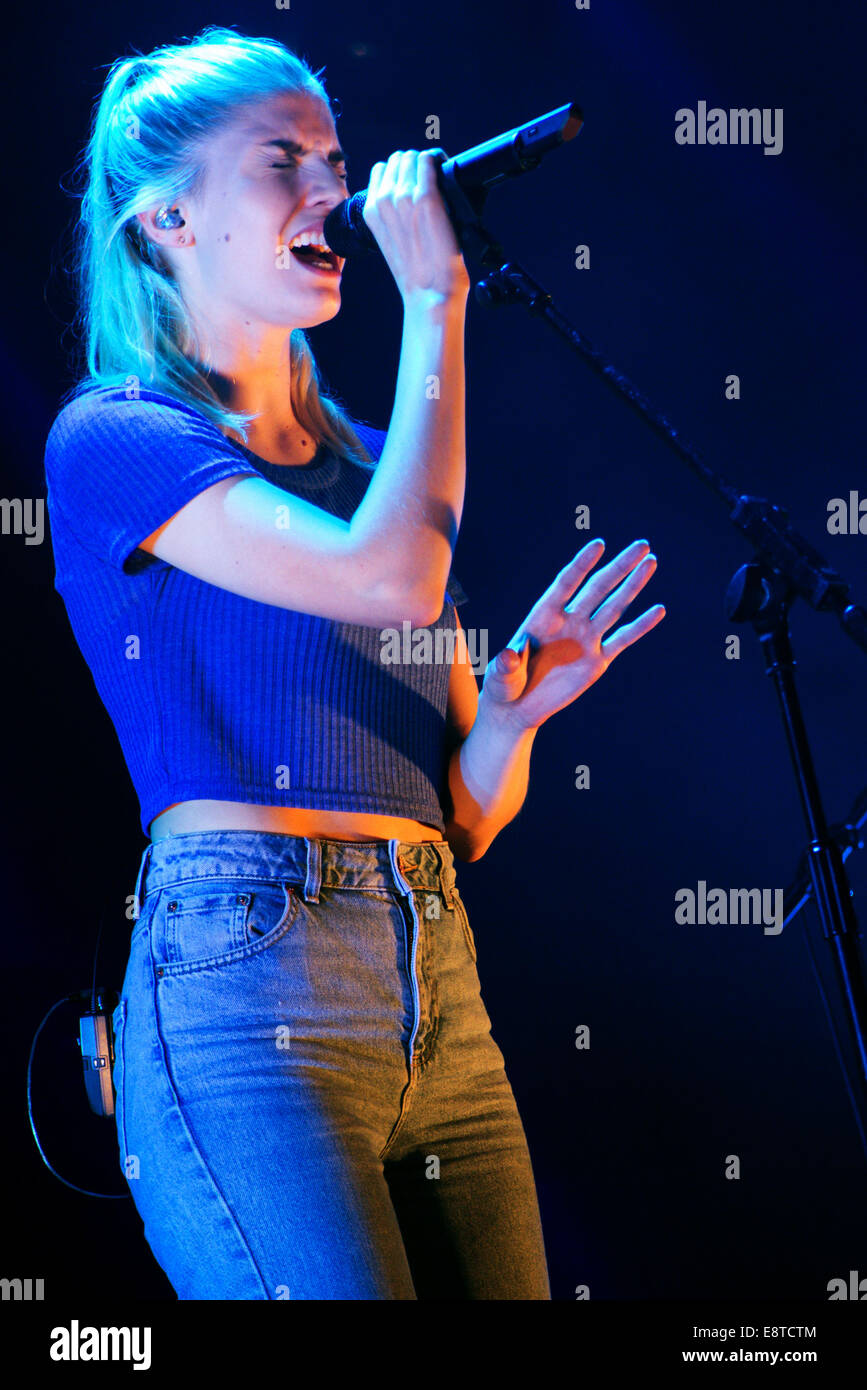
465 180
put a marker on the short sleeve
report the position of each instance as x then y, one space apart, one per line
116 468
373 440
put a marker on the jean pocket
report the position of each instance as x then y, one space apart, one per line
203 924
118 1028
464 920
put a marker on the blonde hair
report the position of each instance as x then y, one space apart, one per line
145 147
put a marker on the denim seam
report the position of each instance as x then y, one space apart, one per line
406 894
119 1107
274 879
194 1144
464 920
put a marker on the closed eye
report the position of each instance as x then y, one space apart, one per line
294 165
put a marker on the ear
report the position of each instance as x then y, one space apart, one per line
167 238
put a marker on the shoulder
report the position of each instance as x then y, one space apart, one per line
108 412
120 462
109 441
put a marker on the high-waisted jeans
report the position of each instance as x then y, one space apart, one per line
309 1100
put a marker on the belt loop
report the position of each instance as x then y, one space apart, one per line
313 882
447 878
139 884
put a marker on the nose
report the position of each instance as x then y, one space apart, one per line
329 201
326 187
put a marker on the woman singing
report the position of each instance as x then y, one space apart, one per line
310 1104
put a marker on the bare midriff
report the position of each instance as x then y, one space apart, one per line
184 816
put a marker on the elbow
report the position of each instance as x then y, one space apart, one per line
464 846
420 596
421 607
399 597
427 609
389 605
472 855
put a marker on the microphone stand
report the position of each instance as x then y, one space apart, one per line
848 836
784 567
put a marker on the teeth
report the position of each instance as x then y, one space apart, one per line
310 239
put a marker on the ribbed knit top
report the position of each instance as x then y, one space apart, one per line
213 695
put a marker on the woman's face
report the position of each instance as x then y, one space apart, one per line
275 171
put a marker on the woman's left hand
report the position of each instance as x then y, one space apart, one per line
558 652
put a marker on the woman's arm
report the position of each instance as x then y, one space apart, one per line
411 511
488 778
392 559
489 766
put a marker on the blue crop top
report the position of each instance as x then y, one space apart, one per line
213 695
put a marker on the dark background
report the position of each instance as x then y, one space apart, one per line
706 1041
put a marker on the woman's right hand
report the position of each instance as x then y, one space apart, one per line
406 212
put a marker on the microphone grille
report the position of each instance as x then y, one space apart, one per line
346 231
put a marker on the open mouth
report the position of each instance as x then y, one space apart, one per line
316 258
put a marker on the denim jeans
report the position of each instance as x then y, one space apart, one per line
310 1103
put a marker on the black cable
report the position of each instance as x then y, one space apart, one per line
67 999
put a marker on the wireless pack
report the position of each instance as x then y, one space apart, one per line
96 1040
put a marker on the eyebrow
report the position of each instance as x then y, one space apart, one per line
335 156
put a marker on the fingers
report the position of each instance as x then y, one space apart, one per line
406 173
397 174
558 593
516 654
374 181
385 177
409 219
602 583
428 161
630 632
608 612
506 675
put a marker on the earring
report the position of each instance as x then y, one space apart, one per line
166 219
